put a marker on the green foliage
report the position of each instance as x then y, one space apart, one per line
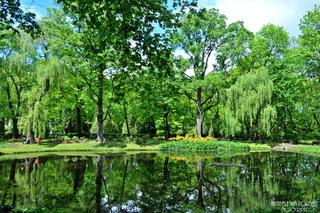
157 182
309 41
12 17
124 77
269 46
222 146
248 105
204 34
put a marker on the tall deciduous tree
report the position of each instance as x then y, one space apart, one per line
309 52
269 47
309 42
204 34
117 28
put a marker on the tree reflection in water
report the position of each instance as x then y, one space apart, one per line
159 183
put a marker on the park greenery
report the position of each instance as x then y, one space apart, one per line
110 69
156 106
159 183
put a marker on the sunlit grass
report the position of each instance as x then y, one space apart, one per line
306 149
15 148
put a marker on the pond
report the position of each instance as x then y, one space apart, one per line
257 182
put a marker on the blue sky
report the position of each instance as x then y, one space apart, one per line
38 7
254 13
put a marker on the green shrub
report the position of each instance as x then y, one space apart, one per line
66 138
180 132
203 146
160 133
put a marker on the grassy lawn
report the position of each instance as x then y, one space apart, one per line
306 149
14 147
17 147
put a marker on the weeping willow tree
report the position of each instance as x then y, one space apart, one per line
16 72
248 109
34 120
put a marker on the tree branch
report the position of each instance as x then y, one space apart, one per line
191 57
110 104
207 59
215 104
190 97
207 99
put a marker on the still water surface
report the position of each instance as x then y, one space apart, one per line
257 182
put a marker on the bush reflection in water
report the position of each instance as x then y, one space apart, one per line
259 182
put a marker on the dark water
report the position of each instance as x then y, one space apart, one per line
260 182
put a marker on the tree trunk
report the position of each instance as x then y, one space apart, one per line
200 183
2 127
12 182
30 137
15 130
78 175
166 122
100 135
124 180
17 113
98 182
78 120
126 117
166 173
199 112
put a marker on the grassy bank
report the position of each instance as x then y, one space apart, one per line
205 146
17 148
187 145
305 149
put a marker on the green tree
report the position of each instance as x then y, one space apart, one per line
308 51
269 47
202 35
12 17
309 42
105 36
272 49
17 71
248 106
61 93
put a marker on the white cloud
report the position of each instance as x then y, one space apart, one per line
190 71
184 55
256 13
32 9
